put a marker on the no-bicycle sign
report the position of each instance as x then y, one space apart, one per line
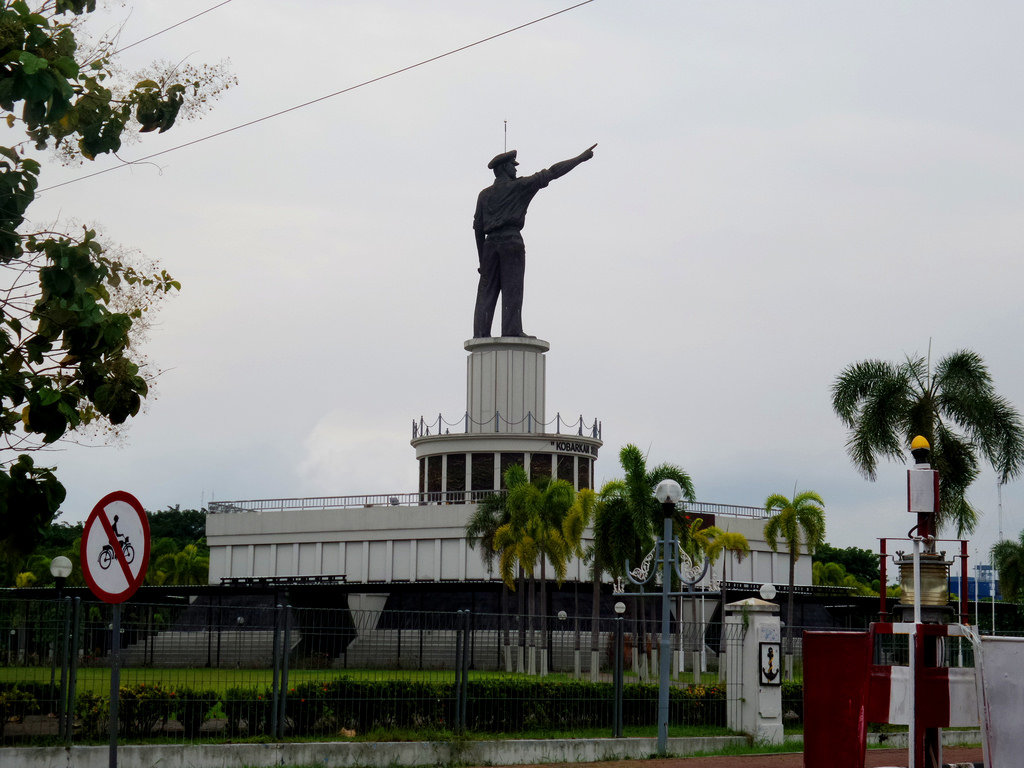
115 547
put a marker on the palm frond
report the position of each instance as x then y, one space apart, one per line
956 408
673 472
1008 559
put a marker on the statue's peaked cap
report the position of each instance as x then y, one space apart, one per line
504 157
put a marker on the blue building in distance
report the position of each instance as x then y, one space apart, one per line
980 586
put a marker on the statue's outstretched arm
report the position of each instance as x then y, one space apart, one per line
563 167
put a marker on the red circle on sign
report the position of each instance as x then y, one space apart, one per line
105 587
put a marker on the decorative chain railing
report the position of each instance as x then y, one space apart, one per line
579 427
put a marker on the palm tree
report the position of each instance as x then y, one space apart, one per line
955 408
627 517
722 543
189 566
563 515
490 514
553 503
797 520
835 575
576 521
535 531
159 548
515 549
1008 558
696 541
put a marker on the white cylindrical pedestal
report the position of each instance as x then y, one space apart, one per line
505 384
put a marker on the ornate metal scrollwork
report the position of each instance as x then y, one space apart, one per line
689 573
643 572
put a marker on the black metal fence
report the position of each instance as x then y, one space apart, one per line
193 669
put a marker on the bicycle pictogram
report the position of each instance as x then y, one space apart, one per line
106 556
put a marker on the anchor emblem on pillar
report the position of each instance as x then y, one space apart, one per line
771 672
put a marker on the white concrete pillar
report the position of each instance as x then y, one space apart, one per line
755 707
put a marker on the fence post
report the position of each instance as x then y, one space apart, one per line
617 686
285 654
458 670
115 680
65 605
69 710
466 621
275 664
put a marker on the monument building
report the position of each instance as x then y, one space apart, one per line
415 542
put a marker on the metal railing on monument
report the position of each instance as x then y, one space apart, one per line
528 423
430 497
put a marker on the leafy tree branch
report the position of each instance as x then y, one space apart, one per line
72 309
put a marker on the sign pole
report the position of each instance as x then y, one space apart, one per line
114 556
115 679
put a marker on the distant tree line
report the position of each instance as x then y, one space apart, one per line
178 552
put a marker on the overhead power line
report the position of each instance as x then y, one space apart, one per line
317 100
173 26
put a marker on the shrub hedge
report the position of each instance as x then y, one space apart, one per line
16 702
500 705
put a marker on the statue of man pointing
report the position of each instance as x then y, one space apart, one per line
498 223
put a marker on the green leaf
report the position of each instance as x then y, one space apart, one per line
67 66
48 396
32 63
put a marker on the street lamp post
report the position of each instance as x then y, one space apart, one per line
672 560
562 616
620 608
668 493
60 569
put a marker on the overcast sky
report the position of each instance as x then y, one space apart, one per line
780 189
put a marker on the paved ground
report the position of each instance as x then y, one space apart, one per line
876 758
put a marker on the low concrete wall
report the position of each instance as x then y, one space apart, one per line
385 754
345 754
901 740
